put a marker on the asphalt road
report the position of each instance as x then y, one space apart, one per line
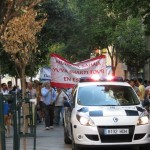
50 140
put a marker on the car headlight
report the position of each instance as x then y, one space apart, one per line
143 118
86 121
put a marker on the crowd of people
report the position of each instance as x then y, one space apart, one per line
49 103
142 88
50 100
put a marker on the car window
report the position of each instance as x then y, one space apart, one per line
99 95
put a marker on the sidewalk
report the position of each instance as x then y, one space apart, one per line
45 139
50 140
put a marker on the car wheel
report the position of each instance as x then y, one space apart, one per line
66 138
144 147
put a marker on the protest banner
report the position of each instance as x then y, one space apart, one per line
65 74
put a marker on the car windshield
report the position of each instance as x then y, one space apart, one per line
106 95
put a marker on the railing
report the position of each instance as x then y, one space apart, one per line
23 113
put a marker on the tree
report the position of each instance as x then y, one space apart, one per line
13 8
59 27
20 41
10 9
97 29
23 44
134 8
131 32
131 44
102 27
83 33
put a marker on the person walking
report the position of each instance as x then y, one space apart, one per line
132 83
49 97
59 105
31 91
7 116
142 90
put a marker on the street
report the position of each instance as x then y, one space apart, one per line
49 140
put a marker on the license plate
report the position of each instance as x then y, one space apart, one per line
116 131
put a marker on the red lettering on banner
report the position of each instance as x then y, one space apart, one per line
67 79
63 63
60 70
96 71
91 64
78 72
71 79
75 79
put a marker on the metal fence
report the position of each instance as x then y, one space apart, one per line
23 113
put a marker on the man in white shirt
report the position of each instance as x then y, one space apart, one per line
49 97
59 105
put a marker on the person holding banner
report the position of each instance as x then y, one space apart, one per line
49 97
59 105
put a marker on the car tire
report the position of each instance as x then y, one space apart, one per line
66 138
144 147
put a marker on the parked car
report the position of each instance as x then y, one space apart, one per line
105 113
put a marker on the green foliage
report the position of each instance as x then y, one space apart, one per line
130 35
109 23
58 27
131 42
6 64
2 10
134 8
88 29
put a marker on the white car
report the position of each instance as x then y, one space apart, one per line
104 114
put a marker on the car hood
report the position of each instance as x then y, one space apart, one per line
111 111
106 115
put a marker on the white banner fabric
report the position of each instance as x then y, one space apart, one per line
65 74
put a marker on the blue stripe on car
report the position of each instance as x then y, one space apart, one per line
132 113
83 109
140 109
96 113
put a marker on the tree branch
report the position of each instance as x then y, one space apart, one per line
14 12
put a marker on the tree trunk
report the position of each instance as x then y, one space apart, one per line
23 84
24 107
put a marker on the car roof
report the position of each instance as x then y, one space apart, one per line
103 83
